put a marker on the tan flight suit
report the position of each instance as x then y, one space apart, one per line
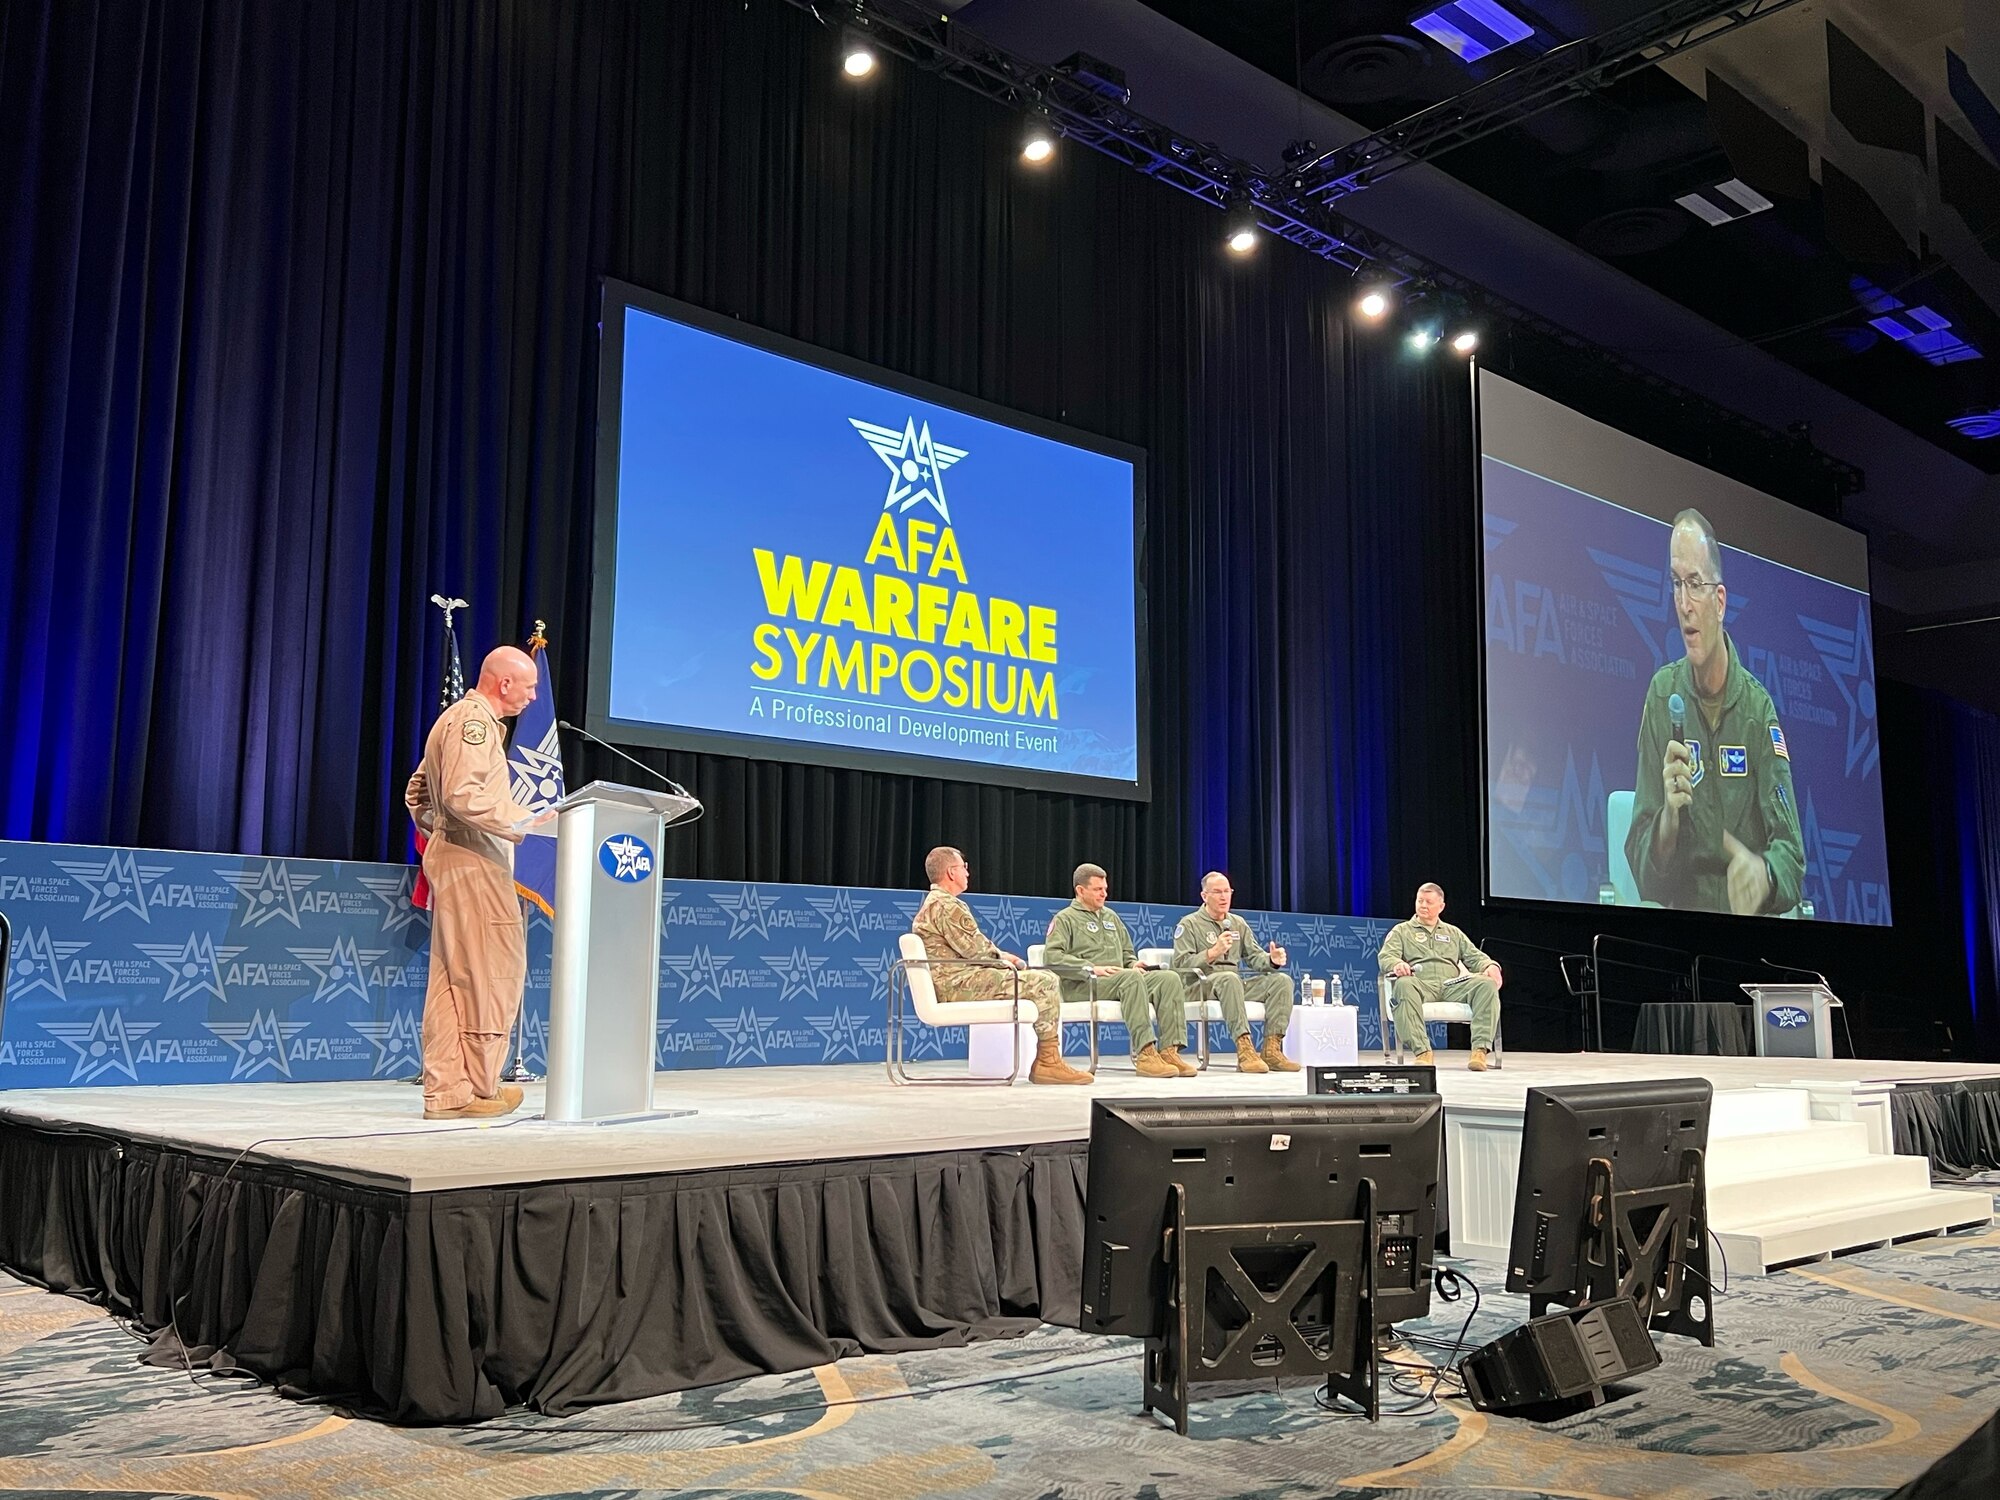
949 930
460 797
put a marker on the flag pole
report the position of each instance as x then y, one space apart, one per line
516 1070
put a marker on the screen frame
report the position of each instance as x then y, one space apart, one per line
615 297
1541 905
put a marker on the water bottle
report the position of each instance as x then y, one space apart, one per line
1305 987
1333 994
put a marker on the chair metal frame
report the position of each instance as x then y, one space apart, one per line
1448 1011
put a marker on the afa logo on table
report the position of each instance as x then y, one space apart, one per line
625 858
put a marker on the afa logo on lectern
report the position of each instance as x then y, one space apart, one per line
625 858
1786 1017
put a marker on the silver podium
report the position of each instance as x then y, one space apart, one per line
604 984
1792 1020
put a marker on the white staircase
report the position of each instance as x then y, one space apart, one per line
1786 1186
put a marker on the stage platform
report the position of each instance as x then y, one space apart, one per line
325 1238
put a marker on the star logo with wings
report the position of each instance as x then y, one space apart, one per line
700 971
193 967
271 894
342 969
800 972
103 1045
916 464
748 1035
397 1041
537 775
396 893
842 1033
260 1043
1849 654
749 911
841 912
117 884
38 963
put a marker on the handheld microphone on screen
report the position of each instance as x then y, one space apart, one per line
656 775
1677 710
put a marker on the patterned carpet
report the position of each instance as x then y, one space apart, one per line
1833 1380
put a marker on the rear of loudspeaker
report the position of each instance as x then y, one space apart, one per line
1566 1354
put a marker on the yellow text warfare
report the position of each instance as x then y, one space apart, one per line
924 599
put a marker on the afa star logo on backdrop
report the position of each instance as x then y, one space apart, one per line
916 464
38 963
536 774
841 1033
1849 654
395 892
102 1044
1012 922
748 1035
1321 935
749 911
119 883
398 1042
799 971
193 967
841 912
535 1039
700 972
260 1043
271 894
342 969
1642 591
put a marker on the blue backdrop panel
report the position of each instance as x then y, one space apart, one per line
138 966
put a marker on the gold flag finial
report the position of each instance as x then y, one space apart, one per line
539 641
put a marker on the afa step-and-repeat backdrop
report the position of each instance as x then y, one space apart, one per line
138 966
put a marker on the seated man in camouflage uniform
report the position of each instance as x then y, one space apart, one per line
1087 940
1433 960
949 930
1219 946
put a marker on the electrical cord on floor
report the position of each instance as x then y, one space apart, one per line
1419 1380
777 1411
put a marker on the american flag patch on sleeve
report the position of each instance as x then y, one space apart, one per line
1778 742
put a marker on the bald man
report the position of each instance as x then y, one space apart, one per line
460 797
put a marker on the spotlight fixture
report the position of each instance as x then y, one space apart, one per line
1423 339
1039 144
857 58
1239 231
1465 341
1372 304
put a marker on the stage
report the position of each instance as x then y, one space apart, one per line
327 1239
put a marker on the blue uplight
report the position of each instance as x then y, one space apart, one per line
1978 425
1472 29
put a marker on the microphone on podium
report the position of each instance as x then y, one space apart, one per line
659 776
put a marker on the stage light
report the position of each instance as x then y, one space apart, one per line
1466 341
1373 304
1240 231
1423 340
1039 144
857 58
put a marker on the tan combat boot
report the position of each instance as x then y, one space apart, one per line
478 1108
1149 1064
1247 1060
1181 1065
1049 1066
1478 1062
1274 1053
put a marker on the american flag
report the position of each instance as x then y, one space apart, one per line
450 690
1778 742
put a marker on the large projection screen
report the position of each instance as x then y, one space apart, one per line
1652 739
799 557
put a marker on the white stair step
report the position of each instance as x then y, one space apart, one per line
1751 1248
1740 1112
1817 1189
1738 1158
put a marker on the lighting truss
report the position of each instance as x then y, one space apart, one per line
1558 75
1088 112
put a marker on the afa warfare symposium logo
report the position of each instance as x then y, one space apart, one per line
916 464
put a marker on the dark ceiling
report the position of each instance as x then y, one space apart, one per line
1858 121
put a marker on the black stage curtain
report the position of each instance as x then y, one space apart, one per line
1957 1125
452 1306
301 328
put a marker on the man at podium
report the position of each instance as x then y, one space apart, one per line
461 798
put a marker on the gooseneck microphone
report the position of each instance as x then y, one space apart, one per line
659 776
